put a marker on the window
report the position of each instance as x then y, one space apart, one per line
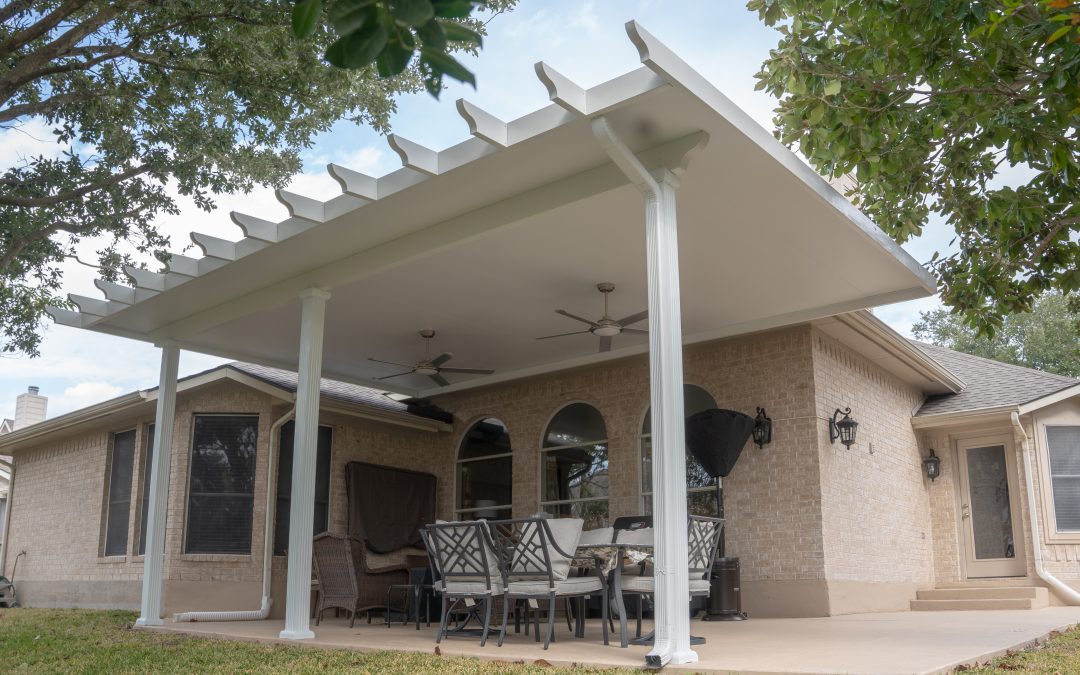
222 489
700 486
144 509
118 505
485 472
1063 446
574 466
284 485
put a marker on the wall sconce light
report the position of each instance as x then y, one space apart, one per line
843 429
932 464
762 429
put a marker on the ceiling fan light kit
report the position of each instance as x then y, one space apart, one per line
430 367
605 328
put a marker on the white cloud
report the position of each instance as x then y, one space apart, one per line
82 395
28 140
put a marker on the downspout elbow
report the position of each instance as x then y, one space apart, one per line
1065 592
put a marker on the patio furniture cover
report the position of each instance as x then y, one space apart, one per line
717 437
388 506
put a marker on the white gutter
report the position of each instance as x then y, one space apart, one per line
1063 590
268 541
7 514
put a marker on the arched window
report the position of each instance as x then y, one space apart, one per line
485 472
574 465
700 486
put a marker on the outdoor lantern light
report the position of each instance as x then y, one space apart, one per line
844 429
762 428
932 464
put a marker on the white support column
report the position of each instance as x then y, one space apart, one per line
154 558
305 440
672 602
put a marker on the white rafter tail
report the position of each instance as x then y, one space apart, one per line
213 247
654 54
414 155
94 306
153 281
483 124
116 292
254 227
182 265
562 90
67 317
302 207
354 183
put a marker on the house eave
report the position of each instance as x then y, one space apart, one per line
875 329
963 417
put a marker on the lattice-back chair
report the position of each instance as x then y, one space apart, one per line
703 539
537 556
467 568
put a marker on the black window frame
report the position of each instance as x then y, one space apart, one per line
144 507
115 486
465 481
217 502
283 484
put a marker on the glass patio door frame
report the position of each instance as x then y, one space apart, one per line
974 567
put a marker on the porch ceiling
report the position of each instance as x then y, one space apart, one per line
484 240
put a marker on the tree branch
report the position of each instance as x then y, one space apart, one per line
70 195
43 26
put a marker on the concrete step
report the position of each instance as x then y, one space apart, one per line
1036 593
960 605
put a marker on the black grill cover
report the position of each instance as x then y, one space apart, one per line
716 438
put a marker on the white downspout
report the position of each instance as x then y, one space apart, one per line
268 540
1063 590
10 466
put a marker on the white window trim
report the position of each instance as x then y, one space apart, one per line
1051 533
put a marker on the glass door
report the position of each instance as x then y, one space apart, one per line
989 509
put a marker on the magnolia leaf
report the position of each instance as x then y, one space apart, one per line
359 48
412 12
444 64
305 17
455 32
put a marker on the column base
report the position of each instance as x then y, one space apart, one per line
142 621
296 635
688 656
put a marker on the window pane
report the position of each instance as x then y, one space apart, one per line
487 437
991 518
121 472
284 485
485 483
594 513
696 476
222 487
576 424
1064 449
148 458
702 503
576 473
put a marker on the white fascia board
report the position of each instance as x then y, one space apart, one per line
406 420
874 329
962 417
656 56
1056 397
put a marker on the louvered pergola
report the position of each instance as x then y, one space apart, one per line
482 240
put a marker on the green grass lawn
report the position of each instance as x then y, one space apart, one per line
92 641
1058 655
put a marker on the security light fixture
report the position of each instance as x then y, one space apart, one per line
932 464
762 428
843 429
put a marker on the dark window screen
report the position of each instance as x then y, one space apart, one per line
148 458
222 490
121 471
284 485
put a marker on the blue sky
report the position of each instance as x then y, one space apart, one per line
584 40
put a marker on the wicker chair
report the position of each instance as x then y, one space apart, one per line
345 582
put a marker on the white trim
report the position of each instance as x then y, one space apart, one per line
1050 399
877 331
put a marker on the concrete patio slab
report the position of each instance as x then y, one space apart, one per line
898 642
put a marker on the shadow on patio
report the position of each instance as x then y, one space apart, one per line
898 642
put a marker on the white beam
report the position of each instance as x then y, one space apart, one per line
302 207
672 602
154 557
305 442
483 124
562 90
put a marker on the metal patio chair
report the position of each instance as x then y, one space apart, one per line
466 568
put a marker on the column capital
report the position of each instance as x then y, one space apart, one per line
314 293
666 176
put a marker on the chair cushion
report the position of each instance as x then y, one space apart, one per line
642 535
388 562
601 535
647 584
470 587
571 586
565 532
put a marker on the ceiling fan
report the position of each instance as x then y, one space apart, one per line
432 367
605 328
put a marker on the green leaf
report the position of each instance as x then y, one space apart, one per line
832 88
359 48
455 32
412 12
432 35
349 16
453 9
1058 34
444 64
393 60
305 17
816 115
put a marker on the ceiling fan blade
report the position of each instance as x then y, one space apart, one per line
439 380
635 331
575 317
387 377
441 359
605 343
577 332
391 363
467 371
634 318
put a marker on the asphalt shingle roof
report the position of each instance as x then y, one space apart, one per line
333 389
989 383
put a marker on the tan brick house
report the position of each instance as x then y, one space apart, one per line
820 528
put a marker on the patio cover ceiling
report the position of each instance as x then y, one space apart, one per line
483 240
